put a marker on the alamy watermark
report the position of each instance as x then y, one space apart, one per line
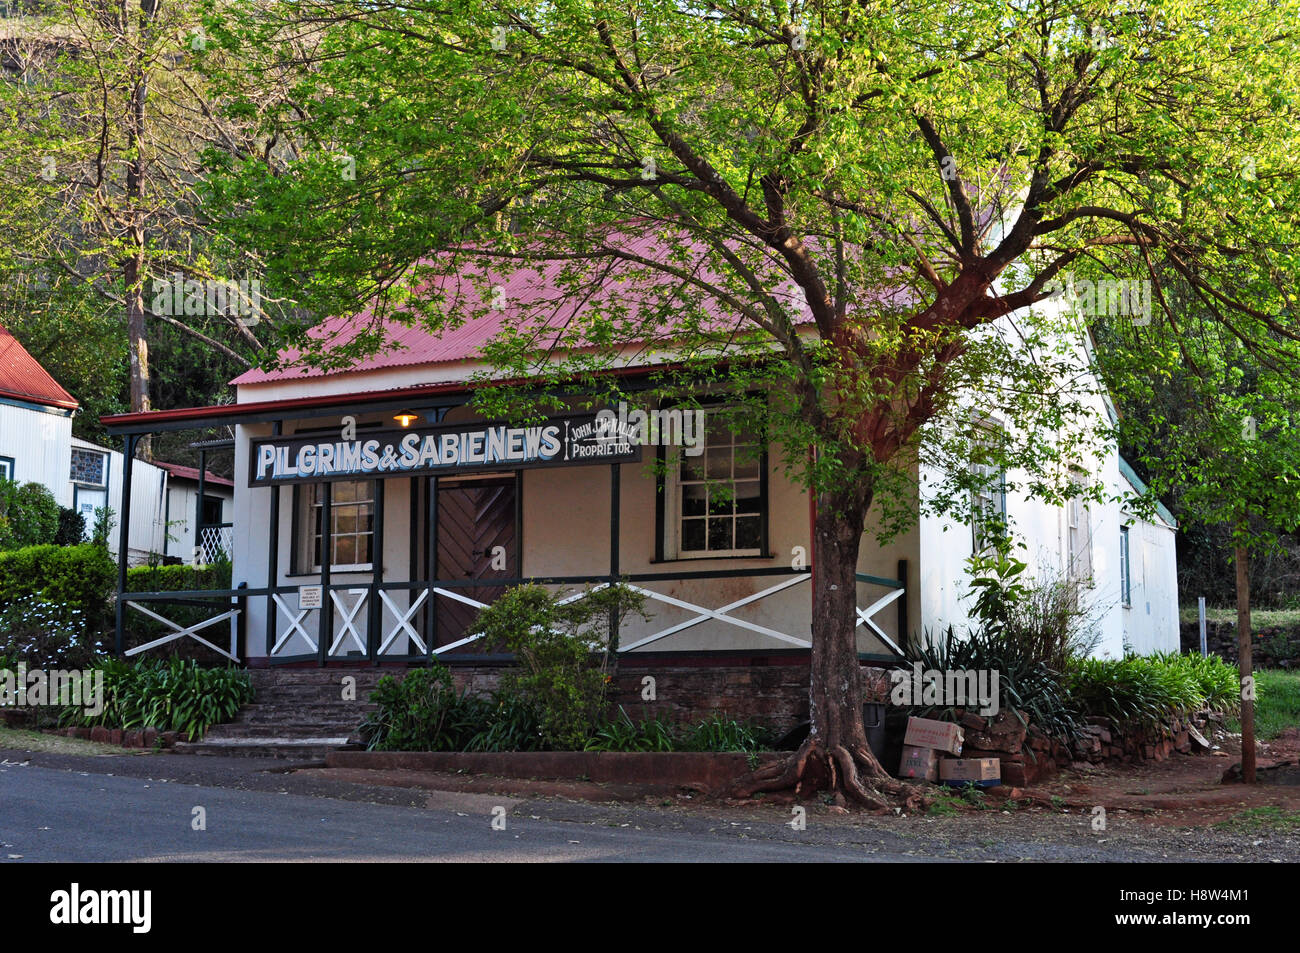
65 688
1108 298
962 688
211 297
670 427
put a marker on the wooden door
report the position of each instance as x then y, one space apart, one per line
477 539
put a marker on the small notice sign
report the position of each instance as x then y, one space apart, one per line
310 597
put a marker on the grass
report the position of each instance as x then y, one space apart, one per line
1262 819
1277 703
1259 618
20 739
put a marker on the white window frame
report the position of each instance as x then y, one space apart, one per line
990 495
1125 568
673 496
309 502
1079 531
7 467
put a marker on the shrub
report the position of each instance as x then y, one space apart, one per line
421 712
80 578
1150 689
173 695
29 516
72 528
624 734
1026 684
555 644
47 635
720 733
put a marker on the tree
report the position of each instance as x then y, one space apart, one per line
1219 432
105 121
835 202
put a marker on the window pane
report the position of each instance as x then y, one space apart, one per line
747 532
693 499
343 492
363 548
718 433
719 466
747 497
747 461
692 467
692 535
345 550
345 520
720 534
721 500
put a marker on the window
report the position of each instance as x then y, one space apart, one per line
352 530
1080 529
1125 572
88 467
715 502
989 494
6 468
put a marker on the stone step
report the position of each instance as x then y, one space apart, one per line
283 748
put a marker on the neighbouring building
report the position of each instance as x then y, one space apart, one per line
37 445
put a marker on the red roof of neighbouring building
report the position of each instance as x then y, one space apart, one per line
22 377
191 473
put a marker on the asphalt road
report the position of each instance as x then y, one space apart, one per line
58 815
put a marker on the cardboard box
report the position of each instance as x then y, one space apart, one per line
919 763
982 772
940 735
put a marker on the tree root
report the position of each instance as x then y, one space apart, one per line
851 771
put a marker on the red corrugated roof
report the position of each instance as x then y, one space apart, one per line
192 473
22 376
533 299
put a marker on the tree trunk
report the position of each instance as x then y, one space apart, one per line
134 267
836 756
138 341
1245 665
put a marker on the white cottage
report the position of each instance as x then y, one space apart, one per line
374 513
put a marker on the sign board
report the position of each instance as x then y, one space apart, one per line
310 597
461 448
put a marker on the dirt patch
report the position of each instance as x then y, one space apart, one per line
1184 791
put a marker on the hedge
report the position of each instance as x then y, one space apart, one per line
178 578
80 577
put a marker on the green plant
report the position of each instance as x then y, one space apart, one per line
624 734
1149 689
944 805
102 526
556 645
72 528
1026 685
720 733
29 515
172 695
47 635
420 712
80 578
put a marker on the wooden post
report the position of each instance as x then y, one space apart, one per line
1245 666
123 544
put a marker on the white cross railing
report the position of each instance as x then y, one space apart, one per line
403 619
179 631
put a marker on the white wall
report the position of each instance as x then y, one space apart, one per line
1150 621
39 441
148 501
